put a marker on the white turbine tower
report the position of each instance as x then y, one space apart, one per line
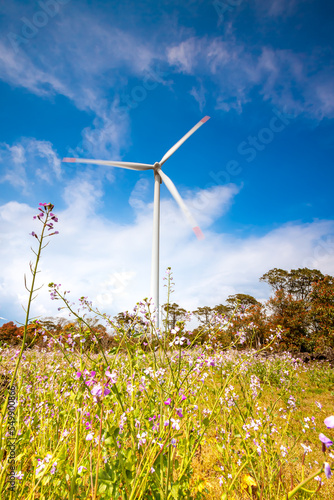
159 176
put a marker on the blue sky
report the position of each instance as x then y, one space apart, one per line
125 81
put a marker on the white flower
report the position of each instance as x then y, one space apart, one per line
307 449
175 424
284 451
40 467
179 341
141 439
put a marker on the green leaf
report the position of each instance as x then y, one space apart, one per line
175 491
102 488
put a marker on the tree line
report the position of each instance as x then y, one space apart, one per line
301 306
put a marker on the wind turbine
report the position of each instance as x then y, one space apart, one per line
159 176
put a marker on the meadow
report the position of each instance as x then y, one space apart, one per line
157 416
187 423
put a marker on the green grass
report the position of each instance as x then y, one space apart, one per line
229 428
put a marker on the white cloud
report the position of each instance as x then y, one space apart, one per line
198 94
27 162
110 262
80 55
139 194
277 8
231 70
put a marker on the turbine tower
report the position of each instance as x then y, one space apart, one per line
159 177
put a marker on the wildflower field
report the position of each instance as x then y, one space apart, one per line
157 416
182 424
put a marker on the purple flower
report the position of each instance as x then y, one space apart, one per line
168 401
99 391
326 442
179 412
327 469
329 422
112 376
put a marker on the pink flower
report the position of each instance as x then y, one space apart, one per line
179 412
327 469
326 442
112 376
329 422
168 401
99 390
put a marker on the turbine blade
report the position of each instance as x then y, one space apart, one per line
184 138
176 195
120 164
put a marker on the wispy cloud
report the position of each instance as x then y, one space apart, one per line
82 57
199 94
295 82
277 8
29 161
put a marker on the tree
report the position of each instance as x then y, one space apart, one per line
297 282
204 314
241 298
222 309
131 322
298 305
10 333
292 316
301 281
276 278
173 314
321 311
53 325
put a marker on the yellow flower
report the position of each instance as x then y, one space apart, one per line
248 480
